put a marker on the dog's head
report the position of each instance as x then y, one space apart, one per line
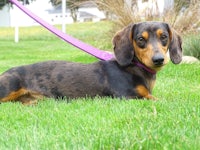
148 42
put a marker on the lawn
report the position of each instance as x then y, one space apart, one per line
172 122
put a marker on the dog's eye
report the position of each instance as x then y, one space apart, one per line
141 39
164 39
141 42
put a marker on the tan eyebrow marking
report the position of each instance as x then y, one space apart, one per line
145 35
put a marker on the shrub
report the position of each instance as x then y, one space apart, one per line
191 45
183 16
117 11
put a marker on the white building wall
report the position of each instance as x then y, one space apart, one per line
14 16
4 16
58 18
94 11
168 4
18 18
154 6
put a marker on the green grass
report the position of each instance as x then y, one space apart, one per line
37 44
172 122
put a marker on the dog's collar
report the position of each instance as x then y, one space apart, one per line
144 67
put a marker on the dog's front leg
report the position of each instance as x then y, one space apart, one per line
143 92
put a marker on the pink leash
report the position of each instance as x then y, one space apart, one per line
71 40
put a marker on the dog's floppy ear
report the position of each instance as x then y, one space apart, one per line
123 45
175 46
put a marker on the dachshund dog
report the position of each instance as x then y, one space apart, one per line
140 51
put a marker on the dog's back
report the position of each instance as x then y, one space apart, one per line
60 79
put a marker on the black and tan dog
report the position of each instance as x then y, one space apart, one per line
140 51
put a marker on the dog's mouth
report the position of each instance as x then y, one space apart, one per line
158 64
157 67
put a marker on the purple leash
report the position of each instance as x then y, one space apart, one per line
71 40
140 65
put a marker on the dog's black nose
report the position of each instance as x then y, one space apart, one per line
158 59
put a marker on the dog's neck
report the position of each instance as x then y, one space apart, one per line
140 65
143 72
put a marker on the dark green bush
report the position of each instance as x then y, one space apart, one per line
191 45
